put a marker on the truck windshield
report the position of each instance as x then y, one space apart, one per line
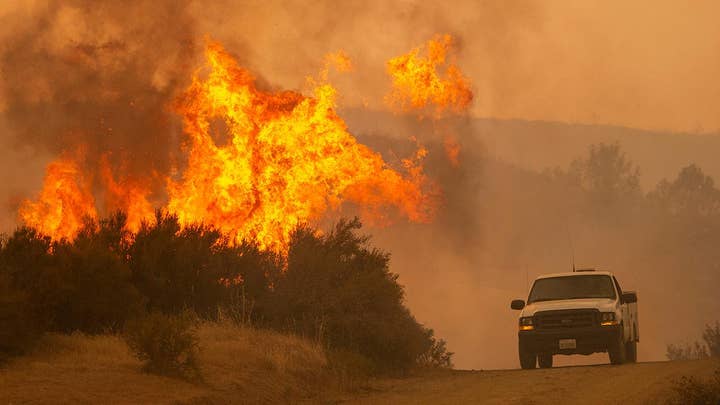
572 287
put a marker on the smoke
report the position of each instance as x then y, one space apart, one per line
105 74
102 76
98 76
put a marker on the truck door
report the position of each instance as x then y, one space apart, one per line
628 322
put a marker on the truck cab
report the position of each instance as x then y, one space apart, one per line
580 312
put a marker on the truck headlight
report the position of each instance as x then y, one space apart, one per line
526 323
608 319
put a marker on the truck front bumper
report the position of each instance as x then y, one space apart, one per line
587 340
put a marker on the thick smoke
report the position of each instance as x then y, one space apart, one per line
100 77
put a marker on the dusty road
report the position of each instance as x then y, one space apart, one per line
642 383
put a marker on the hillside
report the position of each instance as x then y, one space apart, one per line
537 145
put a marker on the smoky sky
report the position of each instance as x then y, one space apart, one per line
99 76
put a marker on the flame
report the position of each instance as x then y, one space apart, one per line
418 81
128 195
288 159
452 149
339 60
64 203
259 163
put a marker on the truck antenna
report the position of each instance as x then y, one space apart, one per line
527 279
572 247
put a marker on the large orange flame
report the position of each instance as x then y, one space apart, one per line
287 159
258 164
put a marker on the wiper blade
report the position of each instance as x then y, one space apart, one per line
546 299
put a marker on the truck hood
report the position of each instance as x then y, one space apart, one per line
601 304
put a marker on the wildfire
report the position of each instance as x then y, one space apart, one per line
452 149
128 195
259 163
418 82
65 200
288 159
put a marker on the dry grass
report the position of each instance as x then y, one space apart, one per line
238 365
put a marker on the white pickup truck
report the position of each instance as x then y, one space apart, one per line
582 312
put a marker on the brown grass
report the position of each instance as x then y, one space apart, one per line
238 365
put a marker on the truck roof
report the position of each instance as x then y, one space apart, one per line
576 273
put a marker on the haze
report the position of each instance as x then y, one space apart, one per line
642 74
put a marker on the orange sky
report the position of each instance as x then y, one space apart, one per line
647 63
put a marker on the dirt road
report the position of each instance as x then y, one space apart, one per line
642 383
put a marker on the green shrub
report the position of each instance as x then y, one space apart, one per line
166 344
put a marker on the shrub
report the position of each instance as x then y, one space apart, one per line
340 292
697 351
437 356
18 328
93 287
711 336
693 391
351 370
686 351
334 288
166 344
195 267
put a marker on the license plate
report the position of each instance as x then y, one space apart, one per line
567 344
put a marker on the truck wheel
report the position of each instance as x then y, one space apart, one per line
631 352
527 359
617 350
545 360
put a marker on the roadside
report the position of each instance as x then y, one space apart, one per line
640 383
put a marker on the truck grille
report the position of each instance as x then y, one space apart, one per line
566 319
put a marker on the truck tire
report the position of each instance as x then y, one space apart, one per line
617 350
527 358
631 352
545 360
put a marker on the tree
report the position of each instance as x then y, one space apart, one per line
711 336
340 291
606 174
692 194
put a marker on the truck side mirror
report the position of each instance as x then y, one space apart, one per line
629 297
517 304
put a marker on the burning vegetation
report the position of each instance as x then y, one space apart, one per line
258 165
431 83
231 230
432 80
288 160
